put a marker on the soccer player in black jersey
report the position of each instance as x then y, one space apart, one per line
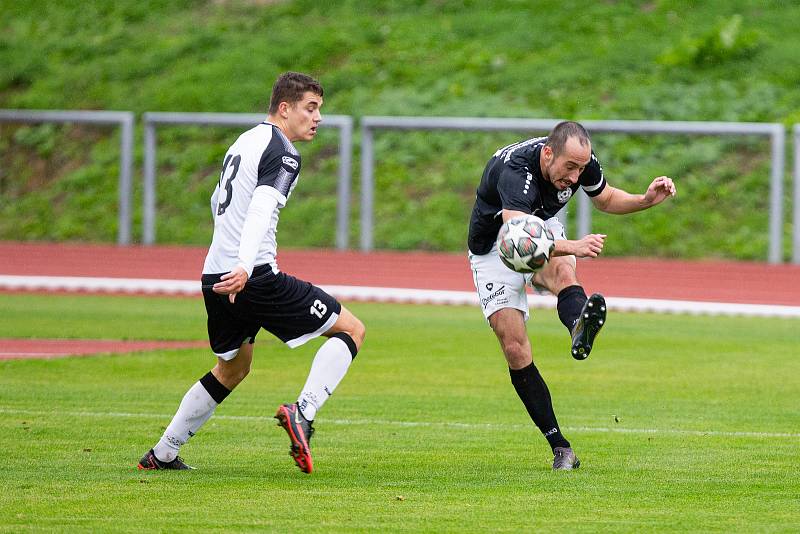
539 176
245 291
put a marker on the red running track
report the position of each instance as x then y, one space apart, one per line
710 281
15 349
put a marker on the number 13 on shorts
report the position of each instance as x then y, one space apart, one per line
318 308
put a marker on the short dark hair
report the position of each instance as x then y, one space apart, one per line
562 131
290 87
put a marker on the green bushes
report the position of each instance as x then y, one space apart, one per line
669 60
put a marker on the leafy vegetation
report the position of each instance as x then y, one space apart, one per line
658 59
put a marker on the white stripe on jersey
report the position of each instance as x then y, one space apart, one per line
508 151
600 183
237 184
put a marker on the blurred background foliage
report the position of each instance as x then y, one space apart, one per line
660 59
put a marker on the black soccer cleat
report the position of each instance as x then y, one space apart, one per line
591 320
564 459
300 432
149 462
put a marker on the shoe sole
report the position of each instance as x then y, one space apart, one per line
299 450
594 317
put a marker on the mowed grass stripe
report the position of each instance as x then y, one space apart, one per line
432 424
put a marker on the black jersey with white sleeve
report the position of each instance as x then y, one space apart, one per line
513 180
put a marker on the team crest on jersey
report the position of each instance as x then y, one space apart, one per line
290 162
565 195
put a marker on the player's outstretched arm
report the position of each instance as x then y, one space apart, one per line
617 201
589 246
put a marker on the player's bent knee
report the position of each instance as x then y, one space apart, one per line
558 274
231 375
351 325
359 331
517 354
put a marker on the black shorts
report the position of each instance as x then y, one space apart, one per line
292 310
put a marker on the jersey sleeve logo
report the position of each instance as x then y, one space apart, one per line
290 162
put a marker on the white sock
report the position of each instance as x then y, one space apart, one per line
195 409
329 367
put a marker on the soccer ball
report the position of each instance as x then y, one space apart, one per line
525 244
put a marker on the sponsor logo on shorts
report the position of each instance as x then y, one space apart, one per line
501 291
489 286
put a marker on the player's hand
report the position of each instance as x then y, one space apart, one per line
660 189
231 283
589 246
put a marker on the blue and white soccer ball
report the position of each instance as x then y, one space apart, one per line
525 244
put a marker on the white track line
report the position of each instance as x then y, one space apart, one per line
385 422
387 294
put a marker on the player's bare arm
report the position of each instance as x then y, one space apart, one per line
588 246
616 201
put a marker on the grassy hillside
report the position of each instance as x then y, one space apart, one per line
672 60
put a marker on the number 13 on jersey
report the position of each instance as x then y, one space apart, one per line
226 183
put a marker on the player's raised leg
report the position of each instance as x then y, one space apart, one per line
509 327
330 364
583 317
197 406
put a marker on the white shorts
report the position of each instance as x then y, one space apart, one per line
498 286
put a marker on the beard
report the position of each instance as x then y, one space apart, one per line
558 182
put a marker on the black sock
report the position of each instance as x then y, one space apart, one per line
570 303
535 396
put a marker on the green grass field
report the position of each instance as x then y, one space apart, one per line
682 424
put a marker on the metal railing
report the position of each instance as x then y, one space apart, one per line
343 122
796 198
775 132
123 119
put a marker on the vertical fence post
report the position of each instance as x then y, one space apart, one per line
343 189
149 185
367 186
778 138
796 198
125 179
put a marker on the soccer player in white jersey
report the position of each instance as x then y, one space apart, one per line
245 291
539 176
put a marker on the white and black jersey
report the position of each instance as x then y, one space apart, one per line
262 157
513 180
259 172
